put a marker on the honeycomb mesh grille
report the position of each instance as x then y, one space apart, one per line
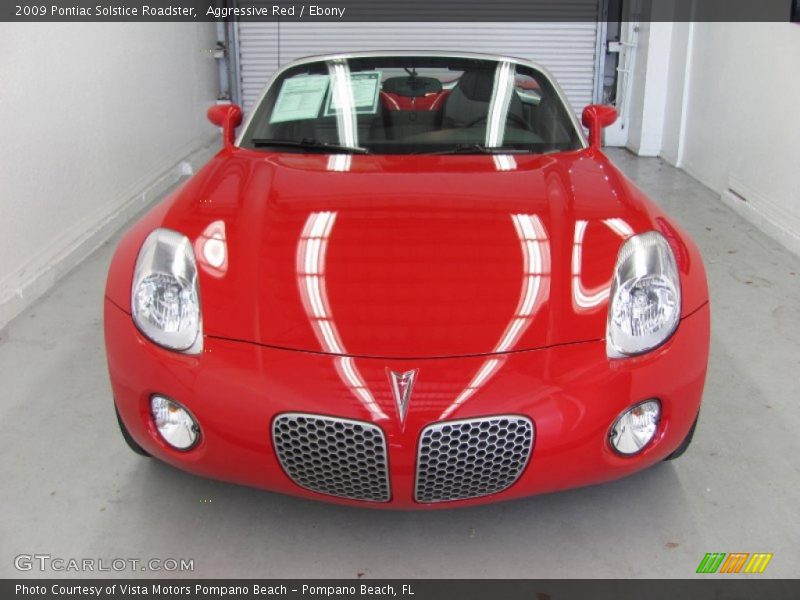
466 459
333 456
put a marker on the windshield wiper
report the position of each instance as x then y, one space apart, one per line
479 149
309 144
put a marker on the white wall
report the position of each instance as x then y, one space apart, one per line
648 96
677 92
95 115
741 129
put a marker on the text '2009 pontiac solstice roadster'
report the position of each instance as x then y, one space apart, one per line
411 281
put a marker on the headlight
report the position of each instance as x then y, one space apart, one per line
174 423
634 428
165 299
645 303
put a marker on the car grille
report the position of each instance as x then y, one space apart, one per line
333 456
466 459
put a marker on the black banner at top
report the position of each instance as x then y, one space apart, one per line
392 10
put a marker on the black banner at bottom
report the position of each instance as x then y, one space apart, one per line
423 589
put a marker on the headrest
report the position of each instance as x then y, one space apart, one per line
477 85
412 87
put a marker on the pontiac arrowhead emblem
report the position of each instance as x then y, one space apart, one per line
401 390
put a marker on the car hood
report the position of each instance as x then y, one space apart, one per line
406 257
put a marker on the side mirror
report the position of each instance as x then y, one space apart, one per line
595 118
227 116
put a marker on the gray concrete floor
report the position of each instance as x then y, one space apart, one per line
71 488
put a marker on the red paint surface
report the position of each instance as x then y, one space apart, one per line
436 263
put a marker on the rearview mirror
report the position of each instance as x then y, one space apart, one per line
227 116
595 118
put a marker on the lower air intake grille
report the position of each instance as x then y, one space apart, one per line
333 456
471 458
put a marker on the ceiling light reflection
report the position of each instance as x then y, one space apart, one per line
504 162
211 249
535 248
340 163
343 101
499 103
586 299
310 266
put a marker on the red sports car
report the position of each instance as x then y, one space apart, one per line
410 282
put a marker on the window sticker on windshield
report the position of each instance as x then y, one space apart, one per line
300 98
365 89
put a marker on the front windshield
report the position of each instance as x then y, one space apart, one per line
412 105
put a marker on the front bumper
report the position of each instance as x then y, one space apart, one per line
572 394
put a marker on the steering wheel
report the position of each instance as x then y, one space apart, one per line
509 117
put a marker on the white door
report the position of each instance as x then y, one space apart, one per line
568 50
617 134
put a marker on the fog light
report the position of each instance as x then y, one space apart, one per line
634 429
174 423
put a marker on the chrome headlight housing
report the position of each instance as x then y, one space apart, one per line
645 303
165 297
635 428
175 424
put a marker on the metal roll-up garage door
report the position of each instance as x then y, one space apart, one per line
569 49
